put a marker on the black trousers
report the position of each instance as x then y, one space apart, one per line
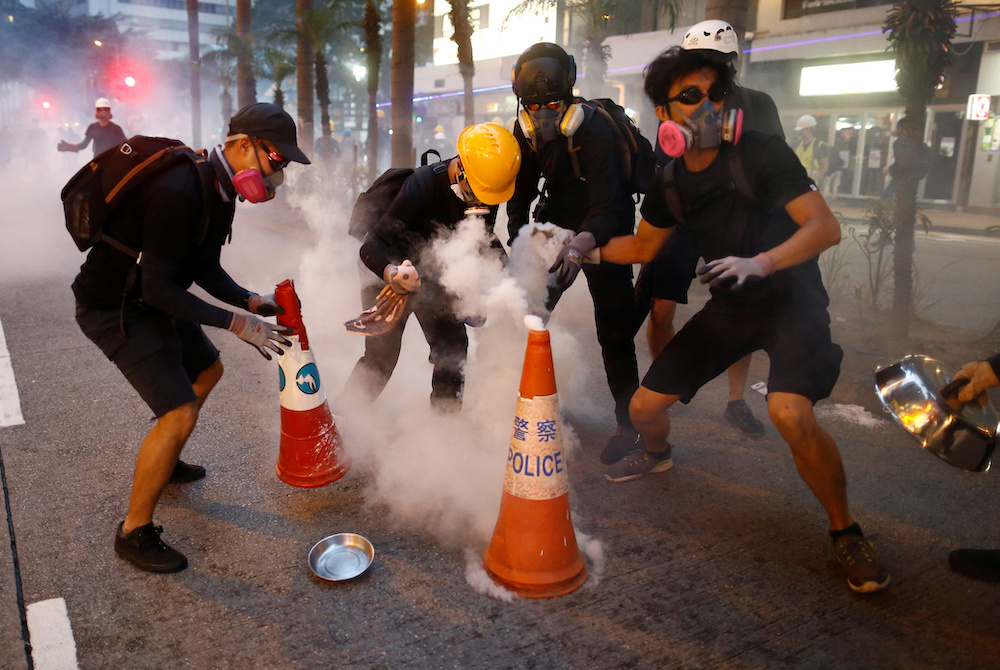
612 293
444 331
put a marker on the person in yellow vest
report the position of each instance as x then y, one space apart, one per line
812 153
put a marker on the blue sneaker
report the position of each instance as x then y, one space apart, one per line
638 463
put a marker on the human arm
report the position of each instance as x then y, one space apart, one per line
525 187
638 248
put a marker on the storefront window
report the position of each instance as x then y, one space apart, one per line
946 131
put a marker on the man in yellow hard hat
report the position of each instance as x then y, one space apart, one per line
396 219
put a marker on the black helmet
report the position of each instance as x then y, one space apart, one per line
544 73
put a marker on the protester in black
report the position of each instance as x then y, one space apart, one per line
433 199
664 283
104 133
767 292
145 319
597 205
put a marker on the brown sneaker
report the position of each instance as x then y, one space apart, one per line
865 574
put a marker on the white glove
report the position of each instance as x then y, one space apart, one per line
722 270
403 278
264 305
260 334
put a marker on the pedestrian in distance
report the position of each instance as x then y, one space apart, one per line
587 192
766 289
812 152
397 219
147 321
104 133
979 564
664 282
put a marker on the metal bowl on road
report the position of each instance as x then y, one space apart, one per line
341 557
911 390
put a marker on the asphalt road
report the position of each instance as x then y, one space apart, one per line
721 562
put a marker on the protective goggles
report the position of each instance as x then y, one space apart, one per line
554 106
463 182
693 96
274 159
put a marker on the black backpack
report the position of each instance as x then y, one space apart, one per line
373 203
92 194
637 153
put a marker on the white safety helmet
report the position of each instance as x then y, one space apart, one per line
102 103
805 121
714 35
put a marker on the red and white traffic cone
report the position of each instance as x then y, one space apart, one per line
312 453
534 550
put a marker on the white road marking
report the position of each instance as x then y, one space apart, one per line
52 644
10 402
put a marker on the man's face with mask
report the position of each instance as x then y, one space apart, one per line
461 188
545 118
696 103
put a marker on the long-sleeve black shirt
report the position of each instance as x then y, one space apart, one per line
598 202
163 219
424 206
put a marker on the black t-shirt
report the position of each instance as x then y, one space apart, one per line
163 219
104 137
727 223
598 202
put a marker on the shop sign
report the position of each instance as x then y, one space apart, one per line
978 108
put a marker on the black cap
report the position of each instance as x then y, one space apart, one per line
269 122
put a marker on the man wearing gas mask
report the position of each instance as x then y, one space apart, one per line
597 205
149 323
431 200
104 133
767 293
664 283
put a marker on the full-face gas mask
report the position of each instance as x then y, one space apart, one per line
705 128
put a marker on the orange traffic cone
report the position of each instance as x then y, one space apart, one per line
312 453
534 550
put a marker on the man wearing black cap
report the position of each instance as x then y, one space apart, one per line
144 318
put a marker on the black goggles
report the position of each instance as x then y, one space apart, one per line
274 159
693 95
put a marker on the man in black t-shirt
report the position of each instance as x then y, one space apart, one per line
767 292
664 282
144 318
104 134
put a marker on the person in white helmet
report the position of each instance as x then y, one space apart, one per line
812 153
104 133
664 282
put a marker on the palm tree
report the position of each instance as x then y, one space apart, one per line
304 72
372 26
223 62
462 37
247 87
920 33
404 19
597 17
278 65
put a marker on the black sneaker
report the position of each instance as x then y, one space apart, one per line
865 573
640 462
144 549
185 473
739 415
979 564
623 442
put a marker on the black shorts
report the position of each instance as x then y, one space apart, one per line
804 360
160 357
671 272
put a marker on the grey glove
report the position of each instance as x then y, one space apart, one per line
264 305
736 269
570 259
260 334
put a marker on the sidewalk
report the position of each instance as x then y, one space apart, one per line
853 210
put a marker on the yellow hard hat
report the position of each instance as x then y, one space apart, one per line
491 158
438 129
